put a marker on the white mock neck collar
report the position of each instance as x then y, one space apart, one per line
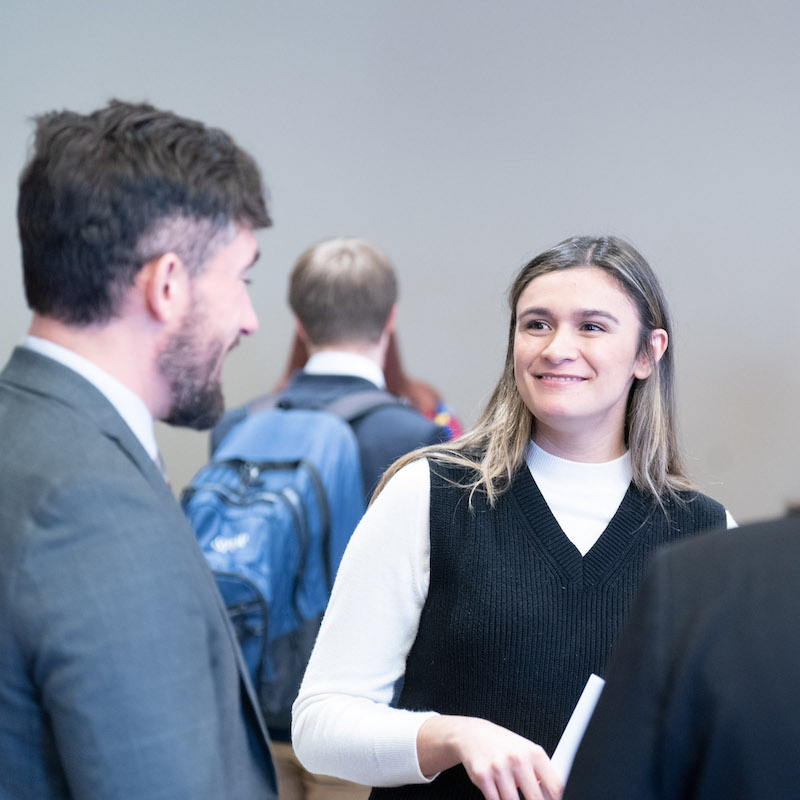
552 468
582 497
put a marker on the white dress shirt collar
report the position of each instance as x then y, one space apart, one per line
337 362
128 404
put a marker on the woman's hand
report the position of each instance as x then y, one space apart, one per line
498 761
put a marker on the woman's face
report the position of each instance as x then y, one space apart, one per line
575 355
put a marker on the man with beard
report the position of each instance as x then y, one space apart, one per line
119 672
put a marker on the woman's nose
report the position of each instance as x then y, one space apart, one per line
560 347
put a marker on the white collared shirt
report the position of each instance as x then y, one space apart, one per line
128 404
338 362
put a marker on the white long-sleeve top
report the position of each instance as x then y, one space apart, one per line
342 722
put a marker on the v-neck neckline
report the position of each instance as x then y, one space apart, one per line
605 557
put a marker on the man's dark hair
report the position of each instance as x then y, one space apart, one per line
104 193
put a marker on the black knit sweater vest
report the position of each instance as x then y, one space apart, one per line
516 620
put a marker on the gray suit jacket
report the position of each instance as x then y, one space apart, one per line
119 672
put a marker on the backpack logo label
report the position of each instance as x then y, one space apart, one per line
227 544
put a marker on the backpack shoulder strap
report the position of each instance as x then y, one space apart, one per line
350 407
353 406
230 419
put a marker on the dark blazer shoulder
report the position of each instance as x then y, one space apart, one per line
707 556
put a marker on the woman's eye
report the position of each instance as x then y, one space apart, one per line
592 326
537 325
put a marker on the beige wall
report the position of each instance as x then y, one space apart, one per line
464 137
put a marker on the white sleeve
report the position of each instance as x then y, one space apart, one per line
342 722
730 522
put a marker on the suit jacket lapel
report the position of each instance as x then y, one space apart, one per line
37 373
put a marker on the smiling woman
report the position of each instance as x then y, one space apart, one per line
490 576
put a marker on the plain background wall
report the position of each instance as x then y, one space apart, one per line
464 137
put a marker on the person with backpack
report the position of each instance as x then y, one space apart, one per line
490 576
311 456
343 293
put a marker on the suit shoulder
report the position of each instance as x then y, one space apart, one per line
752 547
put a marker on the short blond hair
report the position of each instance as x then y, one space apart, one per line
343 290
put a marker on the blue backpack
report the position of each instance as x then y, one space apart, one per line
273 513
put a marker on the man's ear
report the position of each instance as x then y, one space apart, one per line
165 286
390 320
659 340
301 331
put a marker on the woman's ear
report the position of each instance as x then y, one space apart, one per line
659 340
